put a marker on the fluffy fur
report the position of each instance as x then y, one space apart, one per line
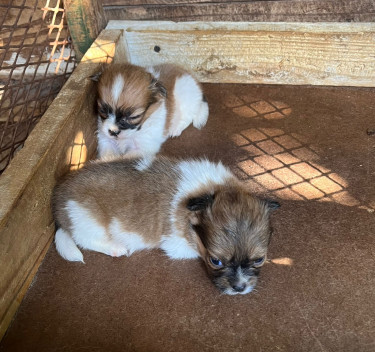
139 108
189 209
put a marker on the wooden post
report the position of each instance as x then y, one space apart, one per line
85 19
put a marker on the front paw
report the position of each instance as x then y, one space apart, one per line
175 132
119 251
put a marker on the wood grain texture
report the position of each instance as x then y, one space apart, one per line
63 139
251 11
86 19
175 2
340 54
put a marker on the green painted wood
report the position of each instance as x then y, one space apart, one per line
85 19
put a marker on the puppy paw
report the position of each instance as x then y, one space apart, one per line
119 251
175 132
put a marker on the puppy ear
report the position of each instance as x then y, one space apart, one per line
158 88
95 77
201 248
196 205
200 203
272 204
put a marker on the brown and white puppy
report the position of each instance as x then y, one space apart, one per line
189 209
139 108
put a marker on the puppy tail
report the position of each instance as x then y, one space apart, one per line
66 247
201 118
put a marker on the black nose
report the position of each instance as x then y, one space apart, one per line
114 133
239 288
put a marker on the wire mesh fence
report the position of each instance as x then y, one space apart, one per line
36 58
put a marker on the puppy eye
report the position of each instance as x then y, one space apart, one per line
104 110
135 117
259 261
216 262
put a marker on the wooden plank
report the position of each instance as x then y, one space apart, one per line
174 2
340 54
86 19
63 139
250 11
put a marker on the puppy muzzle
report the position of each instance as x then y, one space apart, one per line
233 285
114 133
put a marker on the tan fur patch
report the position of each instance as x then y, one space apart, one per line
117 190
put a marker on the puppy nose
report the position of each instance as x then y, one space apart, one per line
114 133
239 288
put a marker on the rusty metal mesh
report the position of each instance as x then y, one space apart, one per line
36 58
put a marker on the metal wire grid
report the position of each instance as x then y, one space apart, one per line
36 58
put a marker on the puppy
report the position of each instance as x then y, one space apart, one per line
189 209
139 108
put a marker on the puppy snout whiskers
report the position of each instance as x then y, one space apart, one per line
114 133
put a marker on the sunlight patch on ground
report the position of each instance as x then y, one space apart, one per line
285 164
282 261
249 107
77 153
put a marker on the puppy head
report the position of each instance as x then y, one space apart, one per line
127 96
232 230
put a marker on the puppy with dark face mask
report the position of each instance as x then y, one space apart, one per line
189 209
234 229
139 108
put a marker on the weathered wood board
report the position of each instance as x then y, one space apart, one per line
338 54
62 141
241 10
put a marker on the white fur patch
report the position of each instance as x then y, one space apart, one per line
152 70
88 233
177 247
189 106
247 290
67 247
195 174
107 146
144 163
241 278
86 230
110 124
131 241
117 87
201 118
231 292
